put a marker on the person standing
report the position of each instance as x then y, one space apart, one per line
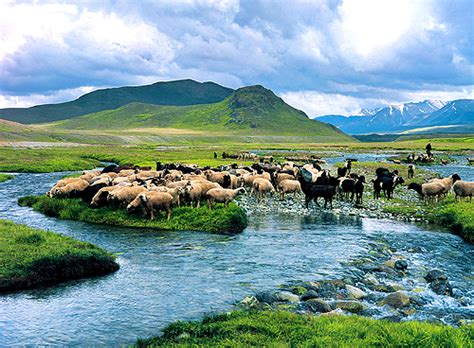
428 150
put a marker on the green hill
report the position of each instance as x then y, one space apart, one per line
181 92
249 110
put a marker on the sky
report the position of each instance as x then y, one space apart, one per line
321 56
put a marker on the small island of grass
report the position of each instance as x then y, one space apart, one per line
285 329
30 258
218 220
5 177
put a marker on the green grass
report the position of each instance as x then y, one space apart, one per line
5 177
284 329
459 216
218 220
30 258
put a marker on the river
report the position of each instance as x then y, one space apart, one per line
166 276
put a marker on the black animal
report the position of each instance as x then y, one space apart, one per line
346 187
359 189
386 181
116 169
324 187
411 171
341 172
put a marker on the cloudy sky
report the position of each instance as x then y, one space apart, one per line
322 56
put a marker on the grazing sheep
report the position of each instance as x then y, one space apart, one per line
428 191
446 182
192 193
206 185
289 186
89 177
463 189
261 187
222 178
151 201
279 177
124 195
100 198
71 190
249 178
221 195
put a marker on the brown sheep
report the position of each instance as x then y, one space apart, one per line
124 195
261 187
73 189
429 190
249 178
289 186
218 177
283 176
446 182
89 177
151 201
100 198
206 185
221 195
192 192
463 189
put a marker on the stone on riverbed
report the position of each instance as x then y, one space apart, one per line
401 265
350 306
317 305
355 292
396 300
439 282
286 296
309 295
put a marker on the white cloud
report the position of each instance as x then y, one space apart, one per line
24 101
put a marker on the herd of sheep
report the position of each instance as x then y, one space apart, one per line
139 189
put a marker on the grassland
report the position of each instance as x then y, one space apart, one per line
5 177
30 258
218 220
284 329
191 150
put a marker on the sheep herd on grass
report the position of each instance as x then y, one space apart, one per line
140 189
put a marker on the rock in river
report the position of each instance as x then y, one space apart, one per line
317 305
439 282
396 300
355 292
401 265
350 306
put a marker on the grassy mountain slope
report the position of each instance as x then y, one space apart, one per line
249 110
181 92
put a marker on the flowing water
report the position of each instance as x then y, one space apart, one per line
166 276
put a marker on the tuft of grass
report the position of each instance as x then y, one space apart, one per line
459 216
218 220
5 177
284 329
30 258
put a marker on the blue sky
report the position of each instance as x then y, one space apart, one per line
321 56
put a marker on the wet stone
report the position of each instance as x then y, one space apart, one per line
317 305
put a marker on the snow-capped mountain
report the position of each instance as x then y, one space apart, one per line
396 118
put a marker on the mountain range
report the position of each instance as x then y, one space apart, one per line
438 115
185 104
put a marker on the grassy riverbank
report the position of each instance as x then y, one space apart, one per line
284 329
218 220
5 177
30 258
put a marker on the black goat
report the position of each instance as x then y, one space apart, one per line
313 191
346 187
359 189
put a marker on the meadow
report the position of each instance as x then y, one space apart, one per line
284 329
37 159
30 258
